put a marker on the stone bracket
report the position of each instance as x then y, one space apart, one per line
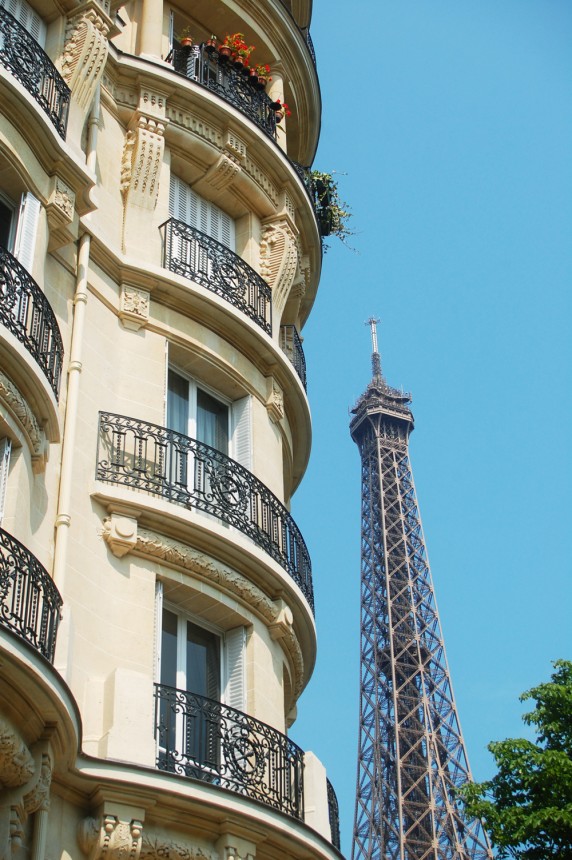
63 220
274 400
133 307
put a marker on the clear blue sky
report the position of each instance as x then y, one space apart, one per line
453 122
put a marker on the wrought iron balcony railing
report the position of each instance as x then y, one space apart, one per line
219 75
29 601
194 255
310 44
334 815
26 312
155 460
203 739
291 345
23 57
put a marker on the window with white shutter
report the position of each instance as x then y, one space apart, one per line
189 207
26 230
5 451
28 18
235 669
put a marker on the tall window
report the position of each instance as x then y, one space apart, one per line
189 207
203 416
190 656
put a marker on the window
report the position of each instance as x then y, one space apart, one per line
28 18
5 451
209 665
200 414
189 207
18 227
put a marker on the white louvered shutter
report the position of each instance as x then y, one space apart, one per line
5 450
235 669
28 18
189 207
157 626
241 432
26 230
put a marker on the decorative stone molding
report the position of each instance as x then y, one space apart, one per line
234 847
149 544
283 624
120 532
110 838
85 50
195 125
157 848
60 211
235 146
29 792
141 162
133 307
274 400
279 259
16 761
221 174
36 438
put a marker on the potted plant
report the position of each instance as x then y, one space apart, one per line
331 212
235 46
281 109
185 38
262 72
211 44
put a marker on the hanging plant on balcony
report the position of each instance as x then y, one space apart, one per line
211 44
282 110
331 211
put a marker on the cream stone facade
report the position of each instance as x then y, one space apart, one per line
159 255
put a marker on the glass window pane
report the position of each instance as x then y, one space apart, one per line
212 422
177 403
169 649
203 662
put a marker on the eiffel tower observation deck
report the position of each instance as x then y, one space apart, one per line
411 754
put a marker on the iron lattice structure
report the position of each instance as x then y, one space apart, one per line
411 755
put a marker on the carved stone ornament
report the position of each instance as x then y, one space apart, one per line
221 174
141 162
149 544
85 51
26 781
279 258
36 438
109 838
134 307
16 761
61 215
275 401
164 848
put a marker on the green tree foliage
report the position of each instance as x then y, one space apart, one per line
527 806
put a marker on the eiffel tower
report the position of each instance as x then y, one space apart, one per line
411 756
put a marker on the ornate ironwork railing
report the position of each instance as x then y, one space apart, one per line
194 255
219 75
334 815
23 57
155 460
291 345
26 312
29 601
310 44
203 739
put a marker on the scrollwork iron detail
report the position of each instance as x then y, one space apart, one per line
203 739
25 59
26 312
334 815
187 472
194 255
29 601
291 345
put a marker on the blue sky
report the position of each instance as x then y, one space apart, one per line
450 124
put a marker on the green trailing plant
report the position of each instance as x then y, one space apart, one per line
331 211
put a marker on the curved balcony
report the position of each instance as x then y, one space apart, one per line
203 739
291 345
194 255
23 57
334 815
156 460
26 312
29 601
218 74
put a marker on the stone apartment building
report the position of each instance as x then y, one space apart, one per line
160 251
